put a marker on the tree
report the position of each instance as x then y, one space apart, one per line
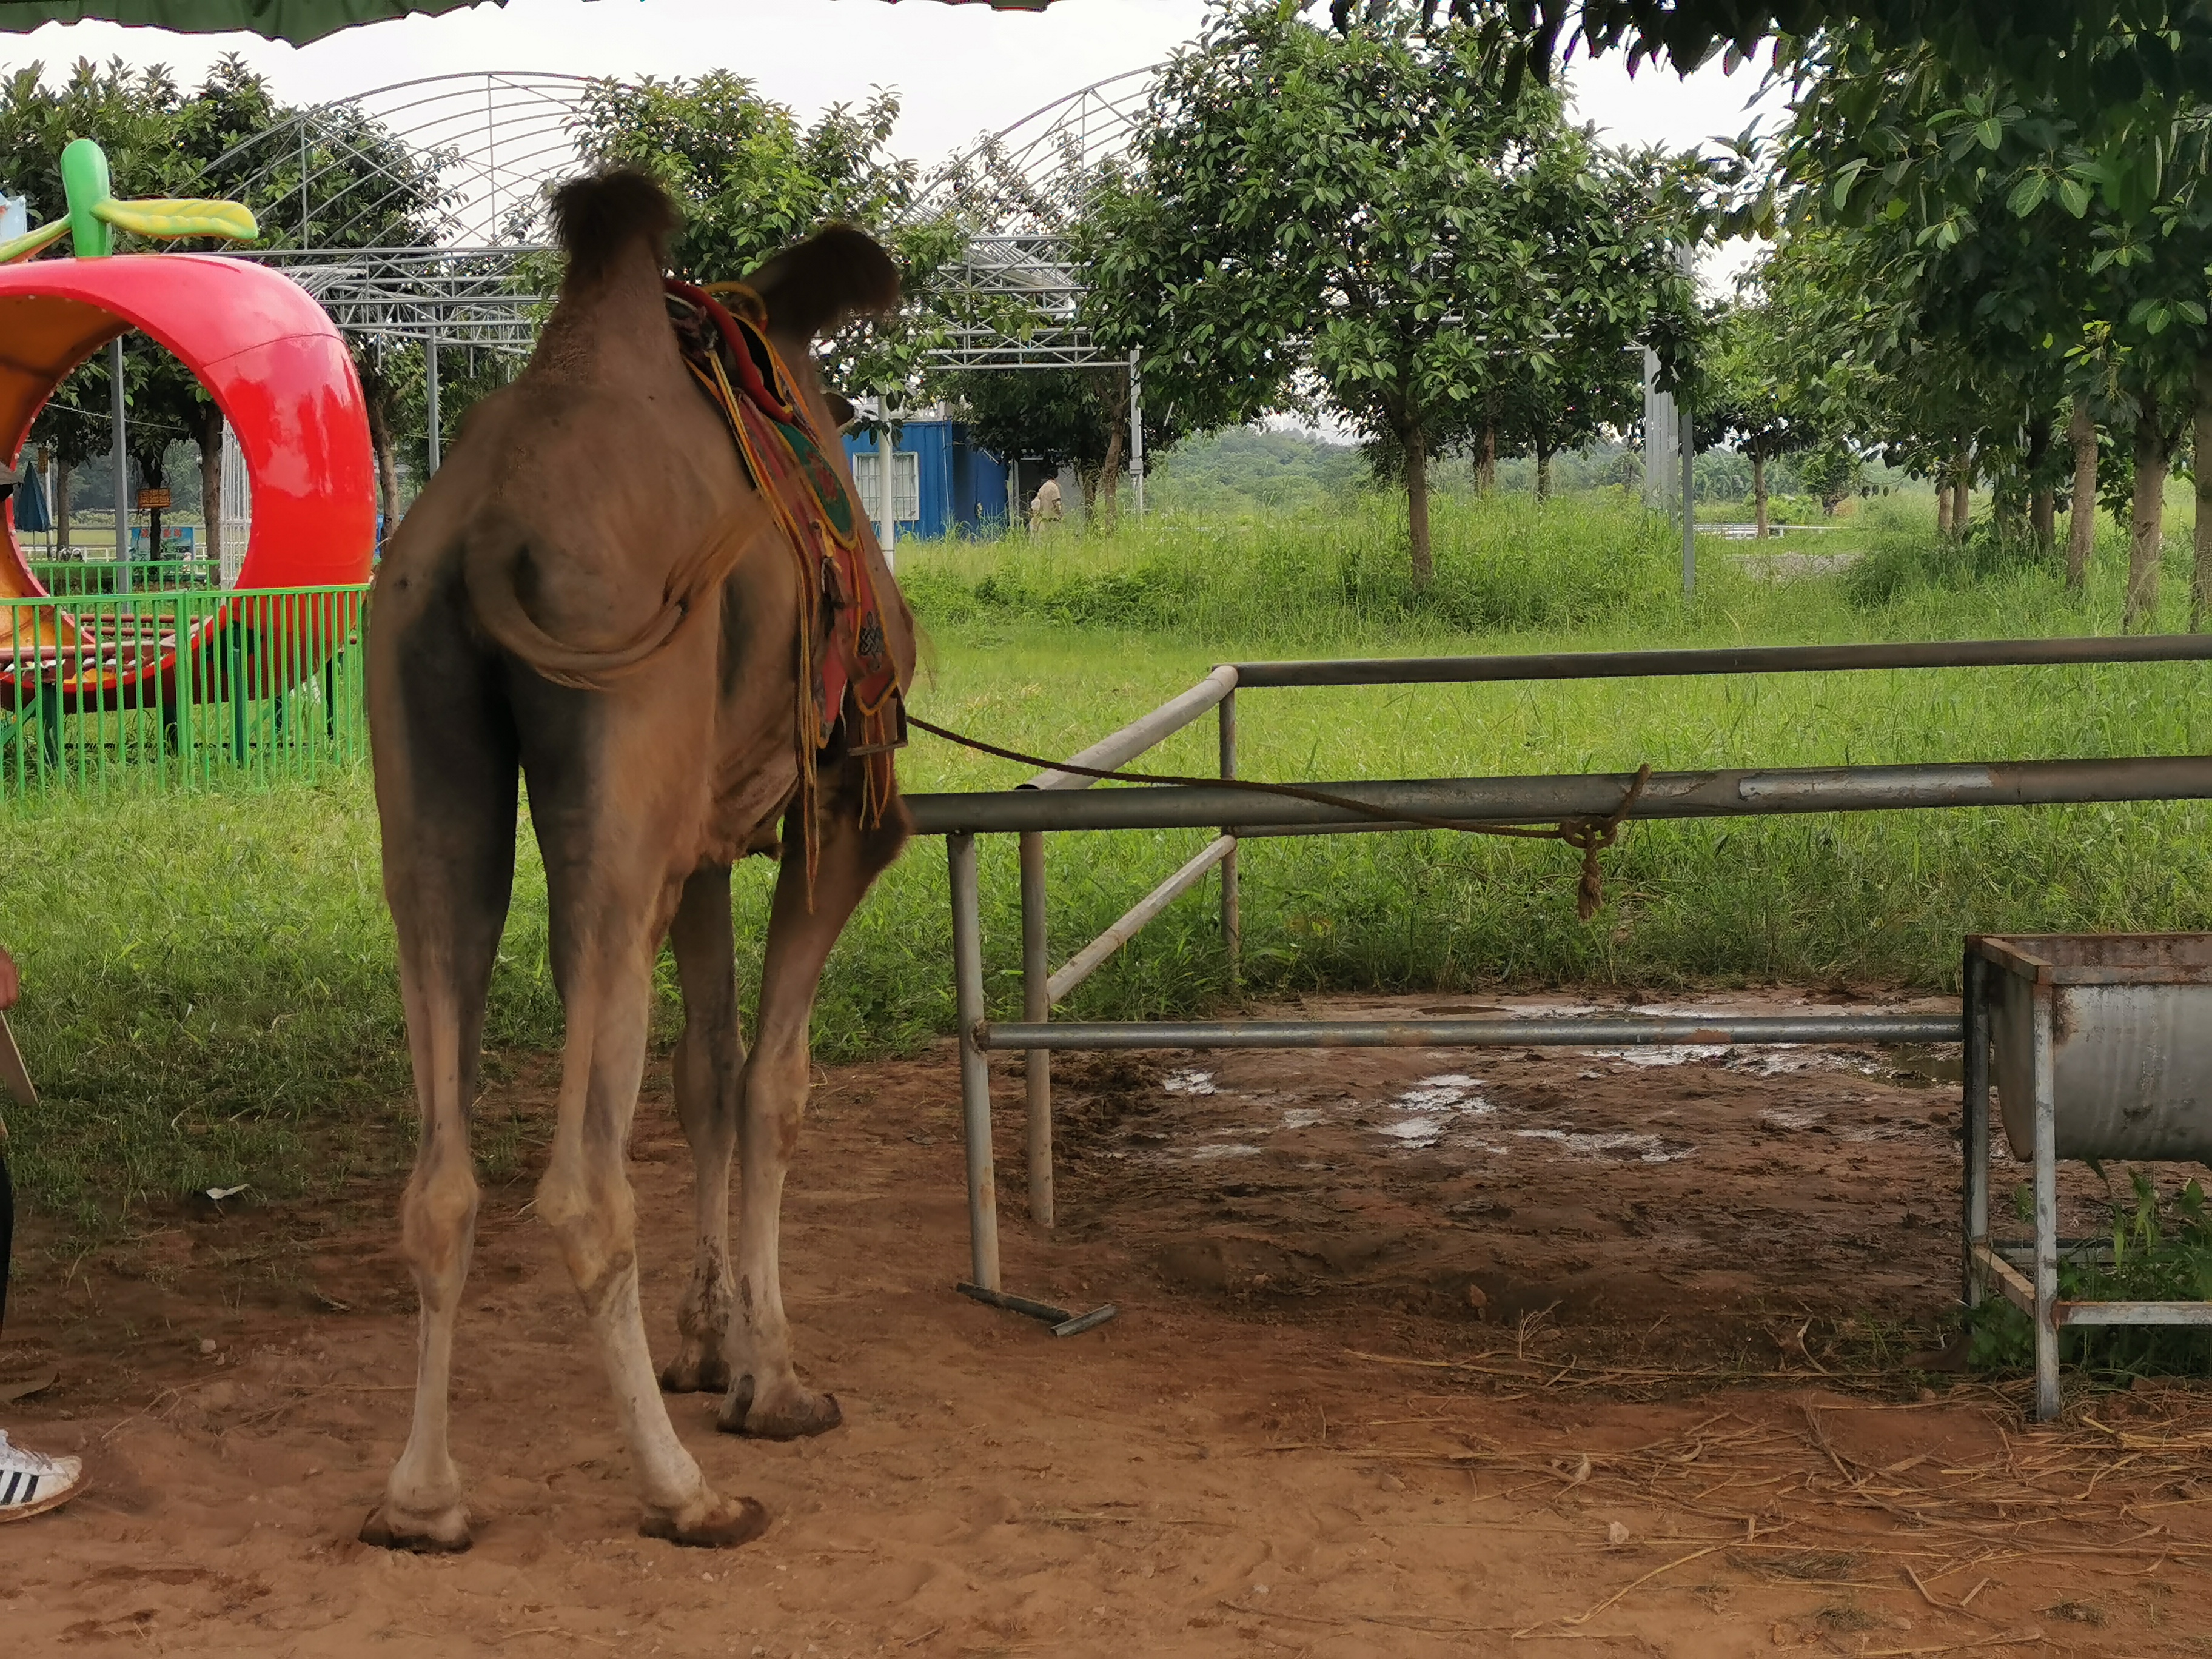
1604 228
1353 219
128 112
338 179
2061 246
1747 396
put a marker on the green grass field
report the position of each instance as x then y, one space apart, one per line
209 992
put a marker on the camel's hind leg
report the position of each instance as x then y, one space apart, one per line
710 1066
445 793
766 1397
600 807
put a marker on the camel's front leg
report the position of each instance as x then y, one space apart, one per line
766 1397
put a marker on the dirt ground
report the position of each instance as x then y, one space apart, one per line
1418 1352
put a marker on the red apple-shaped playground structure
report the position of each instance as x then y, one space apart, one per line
280 372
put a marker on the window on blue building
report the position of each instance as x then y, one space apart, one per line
906 481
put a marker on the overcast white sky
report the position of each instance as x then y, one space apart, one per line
961 71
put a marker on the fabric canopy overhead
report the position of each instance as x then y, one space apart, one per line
295 20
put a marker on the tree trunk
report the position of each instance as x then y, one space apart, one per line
1087 477
1543 473
387 471
209 432
2200 574
1417 504
61 508
2146 519
1943 505
1759 488
1110 476
1486 460
1962 504
2081 520
2042 509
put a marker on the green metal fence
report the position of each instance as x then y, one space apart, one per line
74 577
178 689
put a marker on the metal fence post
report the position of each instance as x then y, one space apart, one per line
122 491
974 1064
234 643
50 720
1689 497
1136 429
435 430
1232 920
1037 1005
1974 1136
2044 1070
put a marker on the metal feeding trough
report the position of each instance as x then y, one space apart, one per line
2102 1049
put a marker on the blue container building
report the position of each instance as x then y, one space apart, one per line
942 484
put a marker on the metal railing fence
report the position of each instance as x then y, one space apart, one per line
70 577
178 689
1050 802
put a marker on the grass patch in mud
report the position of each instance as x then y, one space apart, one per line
2157 1247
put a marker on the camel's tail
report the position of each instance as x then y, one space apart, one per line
492 557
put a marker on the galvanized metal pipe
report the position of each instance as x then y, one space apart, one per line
1688 428
2132 1313
974 1064
116 400
1974 1140
1232 917
1087 961
1543 799
1133 740
1728 659
434 425
1036 1005
2044 1070
1601 1031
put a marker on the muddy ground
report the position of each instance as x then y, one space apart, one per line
1419 1352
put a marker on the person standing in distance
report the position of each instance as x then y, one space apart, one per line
1044 509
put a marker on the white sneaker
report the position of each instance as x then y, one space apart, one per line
32 1483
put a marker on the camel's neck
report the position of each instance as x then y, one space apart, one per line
618 322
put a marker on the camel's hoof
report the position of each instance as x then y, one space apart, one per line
724 1527
792 1415
696 1374
443 1533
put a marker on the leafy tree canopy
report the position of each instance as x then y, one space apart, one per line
1374 220
752 179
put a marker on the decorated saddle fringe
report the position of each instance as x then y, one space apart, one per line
855 679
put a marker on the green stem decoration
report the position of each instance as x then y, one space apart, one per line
94 214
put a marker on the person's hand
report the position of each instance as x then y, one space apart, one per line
11 982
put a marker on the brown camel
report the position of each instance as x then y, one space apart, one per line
591 593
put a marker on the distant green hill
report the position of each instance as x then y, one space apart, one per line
1250 469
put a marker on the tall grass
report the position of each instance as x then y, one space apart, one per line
210 993
1315 581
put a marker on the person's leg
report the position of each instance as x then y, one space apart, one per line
29 1484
